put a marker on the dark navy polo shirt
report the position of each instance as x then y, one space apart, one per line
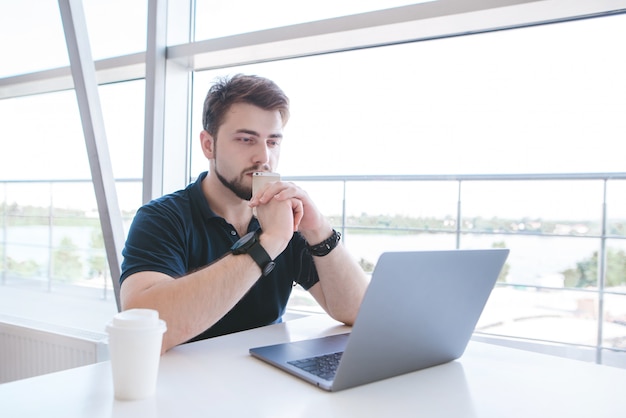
179 233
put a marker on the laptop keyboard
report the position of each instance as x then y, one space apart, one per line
324 366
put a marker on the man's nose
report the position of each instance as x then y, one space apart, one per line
262 154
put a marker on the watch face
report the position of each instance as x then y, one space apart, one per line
244 243
250 244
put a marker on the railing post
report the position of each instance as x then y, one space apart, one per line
458 217
602 257
50 238
5 236
343 211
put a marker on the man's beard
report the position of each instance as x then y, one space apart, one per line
235 186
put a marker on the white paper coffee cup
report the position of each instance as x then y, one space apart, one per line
135 339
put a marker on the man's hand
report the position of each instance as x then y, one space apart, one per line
342 281
307 217
279 218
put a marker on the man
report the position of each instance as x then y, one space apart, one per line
205 262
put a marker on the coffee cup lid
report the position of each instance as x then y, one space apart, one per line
137 319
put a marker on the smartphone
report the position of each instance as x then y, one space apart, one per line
261 178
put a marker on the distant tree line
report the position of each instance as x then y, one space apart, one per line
586 271
68 265
407 224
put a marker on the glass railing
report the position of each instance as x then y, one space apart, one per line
51 239
564 283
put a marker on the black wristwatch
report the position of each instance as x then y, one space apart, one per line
250 244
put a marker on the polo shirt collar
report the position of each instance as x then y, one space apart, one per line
197 194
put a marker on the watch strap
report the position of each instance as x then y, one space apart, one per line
326 246
260 256
252 246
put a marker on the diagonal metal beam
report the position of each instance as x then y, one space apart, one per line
86 87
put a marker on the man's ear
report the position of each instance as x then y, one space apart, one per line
207 142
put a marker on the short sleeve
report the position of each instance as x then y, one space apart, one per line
155 242
304 266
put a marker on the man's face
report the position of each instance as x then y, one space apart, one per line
248 141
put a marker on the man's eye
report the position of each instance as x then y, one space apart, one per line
273 143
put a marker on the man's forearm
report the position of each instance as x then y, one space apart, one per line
342 284
193 303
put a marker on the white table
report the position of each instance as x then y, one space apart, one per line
218 378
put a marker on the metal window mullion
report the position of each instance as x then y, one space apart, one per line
86 88
178 85
155 100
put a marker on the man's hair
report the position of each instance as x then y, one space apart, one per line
241 88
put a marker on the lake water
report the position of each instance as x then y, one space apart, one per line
533 260
27 243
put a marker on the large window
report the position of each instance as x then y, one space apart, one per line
545 99
52 246
39 49
33 40
416 97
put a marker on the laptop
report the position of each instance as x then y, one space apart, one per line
419 311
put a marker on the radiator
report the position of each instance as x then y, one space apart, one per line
31 348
